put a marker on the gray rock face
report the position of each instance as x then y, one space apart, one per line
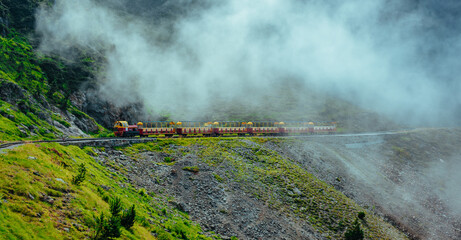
11 92
104 112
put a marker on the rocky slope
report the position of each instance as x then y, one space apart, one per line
243 187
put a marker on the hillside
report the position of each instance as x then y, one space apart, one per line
249 188
233 187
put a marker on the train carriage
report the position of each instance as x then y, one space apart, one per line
325 128
297 127
157 128
229 127
194 128
263 128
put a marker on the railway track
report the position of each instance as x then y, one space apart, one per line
83 141
71 141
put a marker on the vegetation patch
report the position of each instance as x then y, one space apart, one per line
17 125
41 202
193 169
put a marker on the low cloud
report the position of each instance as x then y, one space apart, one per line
398 59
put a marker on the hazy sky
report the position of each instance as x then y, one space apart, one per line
399 58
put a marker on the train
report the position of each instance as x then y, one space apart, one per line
225 128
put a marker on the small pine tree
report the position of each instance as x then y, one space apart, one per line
115 206
109 228
128 217
100 226
80 177
355 233
113 229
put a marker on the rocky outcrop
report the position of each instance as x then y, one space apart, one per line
68 123
12 92
104 112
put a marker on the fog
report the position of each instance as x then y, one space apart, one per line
398 58
411 179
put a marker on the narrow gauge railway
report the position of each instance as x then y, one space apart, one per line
217 129
63 140
78 141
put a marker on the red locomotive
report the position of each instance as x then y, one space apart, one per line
214 129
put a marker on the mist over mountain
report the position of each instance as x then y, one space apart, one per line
397 58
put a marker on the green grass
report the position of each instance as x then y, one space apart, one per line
18 64
32 173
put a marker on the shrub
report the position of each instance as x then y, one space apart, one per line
142 192
80 177
128 217
355 233
361 215
163 235
105 198
168 159
218 178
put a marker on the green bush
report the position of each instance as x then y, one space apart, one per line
142 192
168 159
128 217
218 178
361 215
355 233
163 235
80 177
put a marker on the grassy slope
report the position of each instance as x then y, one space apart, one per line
19 64
30 175
9 127
272 178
